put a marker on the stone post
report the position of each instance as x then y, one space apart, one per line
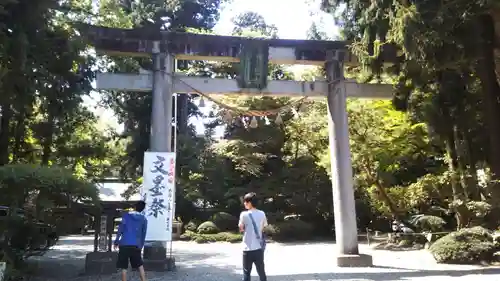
3 267
341 169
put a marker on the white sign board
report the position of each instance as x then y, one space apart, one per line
158 191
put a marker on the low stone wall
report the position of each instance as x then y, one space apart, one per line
176 230
99 263
3 267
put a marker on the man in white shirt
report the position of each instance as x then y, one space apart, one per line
252 223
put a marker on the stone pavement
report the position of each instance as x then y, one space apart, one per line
290 262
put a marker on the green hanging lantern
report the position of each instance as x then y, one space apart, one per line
254 58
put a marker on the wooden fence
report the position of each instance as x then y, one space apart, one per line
374 236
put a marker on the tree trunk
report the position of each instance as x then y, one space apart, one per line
19 135
449 128
48 139
491 92
458 192
388 201
5 134
453 165
383 194
15 84
461 163
473 188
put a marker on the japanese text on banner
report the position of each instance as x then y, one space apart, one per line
158 191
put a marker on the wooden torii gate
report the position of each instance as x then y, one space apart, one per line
165 47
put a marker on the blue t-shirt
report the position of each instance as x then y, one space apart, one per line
132 230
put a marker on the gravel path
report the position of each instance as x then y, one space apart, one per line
290 262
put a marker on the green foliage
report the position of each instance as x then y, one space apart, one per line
208 238
428 223
31 192
225 221
41 186
291 230
441 58
480 209
51 143
253 22
389 152
466 246
208 227
275 217
25 237
192 226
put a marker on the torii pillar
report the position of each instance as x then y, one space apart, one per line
155 252
346 231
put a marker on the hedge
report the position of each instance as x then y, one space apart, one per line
208 227
466 246
208 238
291 230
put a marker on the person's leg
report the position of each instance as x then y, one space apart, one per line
259 264
124 275
247 265
142 273
137 263
122 262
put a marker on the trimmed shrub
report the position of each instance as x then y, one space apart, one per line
466 246
225 221
188 235
206 238
229 237
291 230
429 223
275 217
191 226
208 227
201 239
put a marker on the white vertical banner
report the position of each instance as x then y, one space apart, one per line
158 191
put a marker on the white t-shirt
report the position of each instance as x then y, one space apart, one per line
250 240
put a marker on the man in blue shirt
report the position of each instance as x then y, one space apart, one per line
130 239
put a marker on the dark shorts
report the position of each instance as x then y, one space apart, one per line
128 254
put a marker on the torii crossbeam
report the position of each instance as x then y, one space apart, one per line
165 47
219 86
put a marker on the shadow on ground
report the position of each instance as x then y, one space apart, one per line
65 260
196 263
225 273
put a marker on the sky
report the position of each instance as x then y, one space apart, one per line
293 18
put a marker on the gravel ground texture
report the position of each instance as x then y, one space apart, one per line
290 262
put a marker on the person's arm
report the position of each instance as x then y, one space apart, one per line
144 230
119 233
264 221
241 224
